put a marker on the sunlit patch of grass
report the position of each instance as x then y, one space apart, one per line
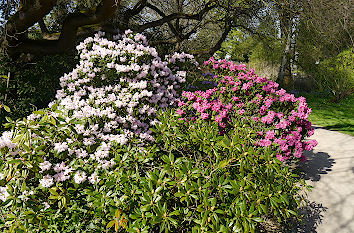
332 116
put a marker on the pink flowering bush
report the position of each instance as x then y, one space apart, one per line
224 147
279 120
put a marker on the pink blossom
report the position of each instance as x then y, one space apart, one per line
204 116
281 157
256 119
265 142
236 98
180 112
270 134
241 111
309 145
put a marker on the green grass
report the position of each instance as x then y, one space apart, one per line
332 116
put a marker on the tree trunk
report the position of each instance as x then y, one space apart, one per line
285 57
29 15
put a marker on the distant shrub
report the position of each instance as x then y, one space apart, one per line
337 74
333 75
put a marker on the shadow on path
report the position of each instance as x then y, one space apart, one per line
317 164
312 216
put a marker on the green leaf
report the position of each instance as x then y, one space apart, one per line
117 214
219 211
39 112
7 109
53 191
224 163
54 197
110 224
8 119
292 212
176 212
179 194
257 219
10 216
14 161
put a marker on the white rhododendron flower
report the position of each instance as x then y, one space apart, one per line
94 178
80 177
46 165
6 140
47 181
3 193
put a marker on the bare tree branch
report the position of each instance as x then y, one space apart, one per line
43 27
135 10
179 15
29 14
217 46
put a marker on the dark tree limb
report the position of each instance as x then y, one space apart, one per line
180 15
135 10
158 11
29 14
43 27
68 33
217 46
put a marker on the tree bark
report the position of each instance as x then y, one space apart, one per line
43 27
29 14
218 44
173 16
285 57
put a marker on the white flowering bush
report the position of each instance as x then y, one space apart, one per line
58 158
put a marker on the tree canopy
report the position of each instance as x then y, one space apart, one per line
178 24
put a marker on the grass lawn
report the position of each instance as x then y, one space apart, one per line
332 116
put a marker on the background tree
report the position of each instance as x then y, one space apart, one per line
325 45
185 25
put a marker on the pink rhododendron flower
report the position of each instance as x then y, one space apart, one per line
270 134
241 111
180 112
204 116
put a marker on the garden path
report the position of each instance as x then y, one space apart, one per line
330 170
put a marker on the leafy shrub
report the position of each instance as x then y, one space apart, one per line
332 74
31 86
337 74
218 183
101 159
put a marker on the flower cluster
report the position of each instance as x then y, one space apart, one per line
282 119
109 100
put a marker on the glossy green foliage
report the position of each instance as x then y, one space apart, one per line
190 180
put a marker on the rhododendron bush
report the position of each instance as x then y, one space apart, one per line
118 150
277 118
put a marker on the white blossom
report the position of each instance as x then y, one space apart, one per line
94 178
46 165
47 181
80 177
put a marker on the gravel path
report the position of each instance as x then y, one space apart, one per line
330 170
